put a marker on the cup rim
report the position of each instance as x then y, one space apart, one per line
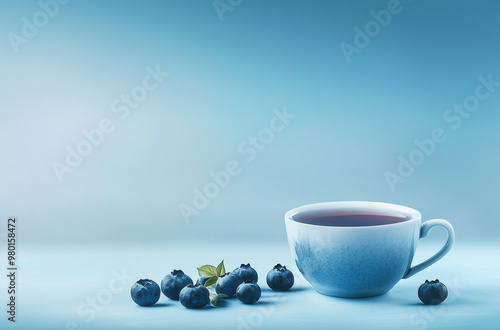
415 215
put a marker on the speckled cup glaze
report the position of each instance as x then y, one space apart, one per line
360 261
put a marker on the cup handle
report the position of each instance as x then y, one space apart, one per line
424 230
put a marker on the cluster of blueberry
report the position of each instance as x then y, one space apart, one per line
242 282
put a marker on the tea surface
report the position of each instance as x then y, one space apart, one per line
344 219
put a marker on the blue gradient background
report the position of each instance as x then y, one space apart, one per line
353 120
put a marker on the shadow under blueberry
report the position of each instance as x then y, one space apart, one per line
297 289
156 305
415 303
293 289
204 308
448 302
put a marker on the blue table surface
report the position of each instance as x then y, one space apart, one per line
88 287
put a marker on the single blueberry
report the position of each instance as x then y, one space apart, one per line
202 280
194 296
227 284
247 273
248 292
279 278
432 292
145 292
173 283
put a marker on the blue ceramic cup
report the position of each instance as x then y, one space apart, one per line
358 249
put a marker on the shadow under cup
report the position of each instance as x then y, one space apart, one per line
356 249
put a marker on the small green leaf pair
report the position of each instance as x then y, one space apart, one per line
209 270
215 273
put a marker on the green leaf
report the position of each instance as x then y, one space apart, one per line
211 281
215 298
207 270
221 269
211 291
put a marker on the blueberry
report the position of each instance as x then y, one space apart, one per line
172 284
432 292
248 292
145 292
247 273
279 278
194 296
227 284
202 280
